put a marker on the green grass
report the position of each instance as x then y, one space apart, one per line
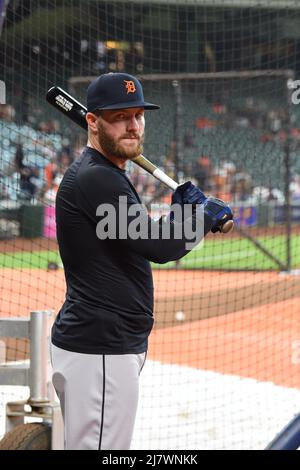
27 259
239 254
217 253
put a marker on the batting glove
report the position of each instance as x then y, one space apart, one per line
218 212
188 193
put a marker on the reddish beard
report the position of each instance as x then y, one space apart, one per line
115 148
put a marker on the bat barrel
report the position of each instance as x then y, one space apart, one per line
66 104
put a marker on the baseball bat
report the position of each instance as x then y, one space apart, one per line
75 111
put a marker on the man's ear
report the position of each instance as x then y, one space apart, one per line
91 120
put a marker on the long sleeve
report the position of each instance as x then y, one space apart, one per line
107 197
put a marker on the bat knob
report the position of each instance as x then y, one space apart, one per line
227 227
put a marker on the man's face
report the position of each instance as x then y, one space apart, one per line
121 132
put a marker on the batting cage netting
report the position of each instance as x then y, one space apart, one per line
222 370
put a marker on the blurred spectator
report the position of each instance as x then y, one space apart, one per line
49 127
266 194
241 185
273 121
28 175
219 108
50 172
7 112
203 172
204 123
64 161
79 146
54 173
170 160
188 139
295 188
4 192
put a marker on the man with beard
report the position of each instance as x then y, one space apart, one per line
99 338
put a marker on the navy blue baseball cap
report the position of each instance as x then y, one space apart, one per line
116 91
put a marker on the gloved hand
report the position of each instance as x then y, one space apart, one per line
188 193
218 212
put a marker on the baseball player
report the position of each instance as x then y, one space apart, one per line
99 338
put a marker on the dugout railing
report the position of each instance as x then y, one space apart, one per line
36 374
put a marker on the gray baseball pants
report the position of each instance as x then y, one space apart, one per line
98 395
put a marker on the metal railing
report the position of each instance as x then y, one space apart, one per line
35 373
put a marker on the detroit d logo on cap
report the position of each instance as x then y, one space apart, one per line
130 86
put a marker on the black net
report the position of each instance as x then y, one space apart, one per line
222 362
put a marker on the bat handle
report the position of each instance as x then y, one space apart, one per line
144 163
161 176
